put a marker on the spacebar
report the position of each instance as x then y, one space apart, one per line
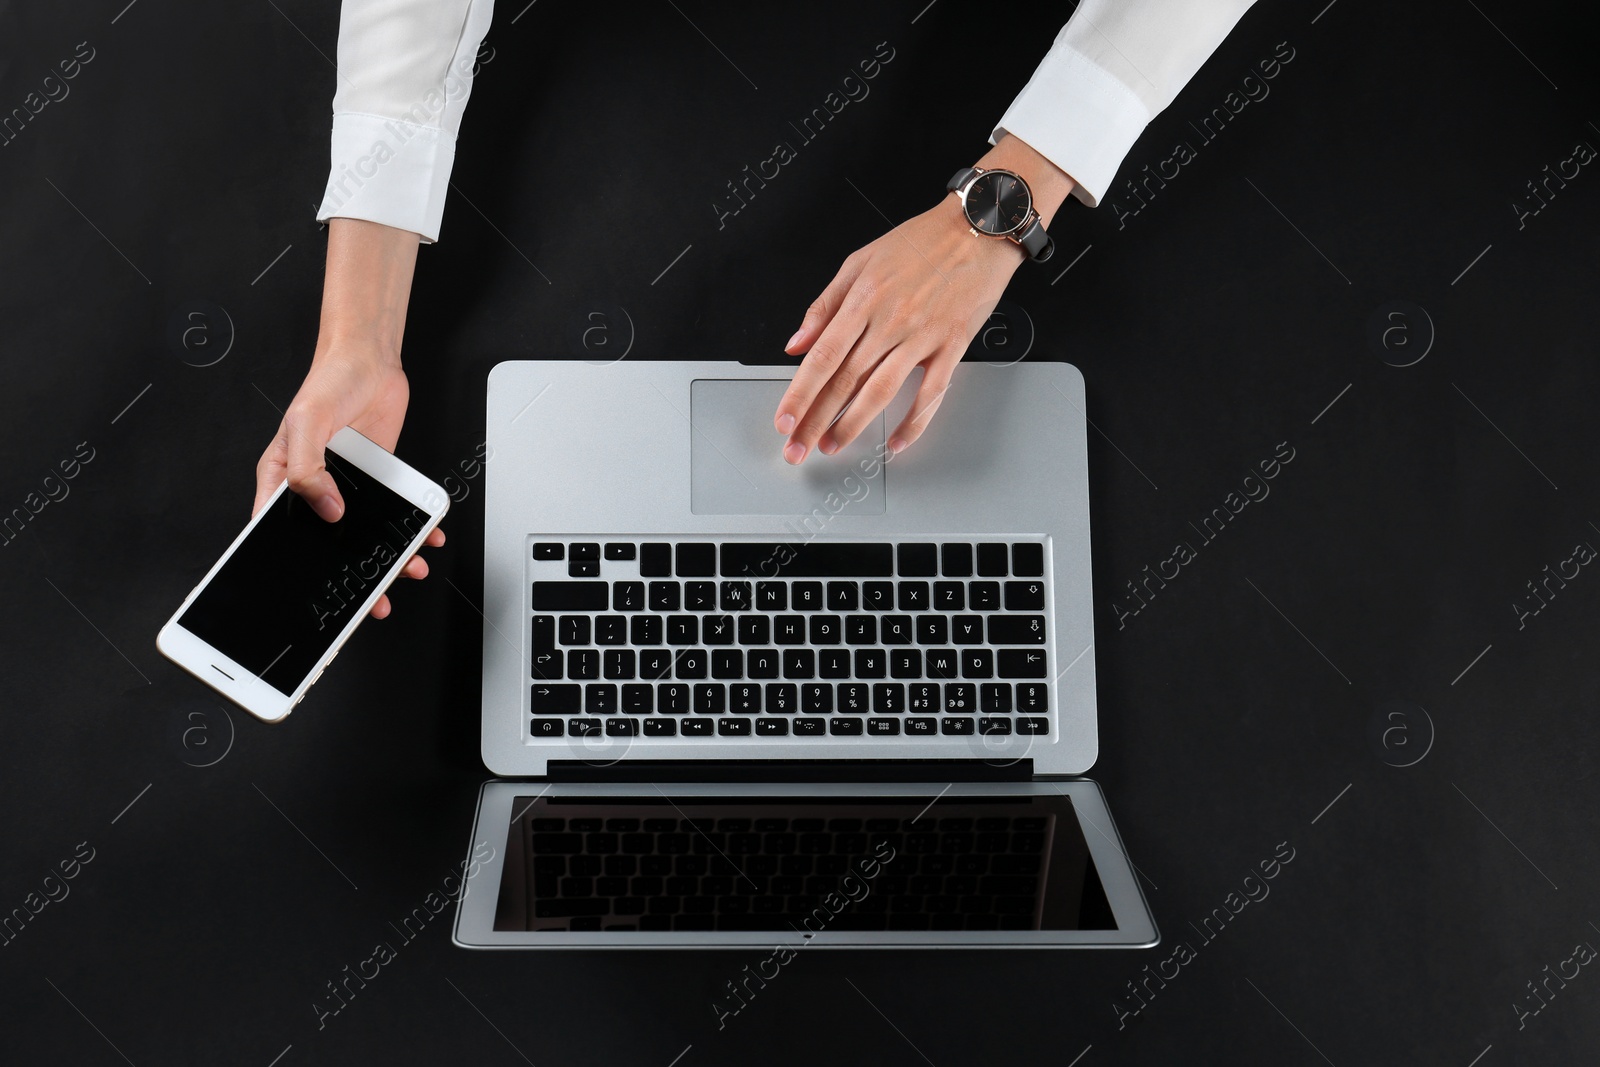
814 560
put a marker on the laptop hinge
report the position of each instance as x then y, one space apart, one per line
770 770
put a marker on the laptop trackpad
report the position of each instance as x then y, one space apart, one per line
736 464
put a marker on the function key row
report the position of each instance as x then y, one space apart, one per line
699 559
736 726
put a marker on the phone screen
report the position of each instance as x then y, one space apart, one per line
284 596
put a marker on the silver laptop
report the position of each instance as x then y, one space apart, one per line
735 702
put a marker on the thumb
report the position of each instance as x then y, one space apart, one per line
308 431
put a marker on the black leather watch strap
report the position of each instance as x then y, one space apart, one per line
1036 242
962 177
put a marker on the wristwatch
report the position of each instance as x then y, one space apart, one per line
998 203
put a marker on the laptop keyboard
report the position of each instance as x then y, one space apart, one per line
740 639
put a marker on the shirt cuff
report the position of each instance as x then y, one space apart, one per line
1078 117
389 171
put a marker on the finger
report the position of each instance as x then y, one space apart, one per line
828 358
435 538
825 338
381 609
824 307
875 394
270 471
416 567
936 374
308 430
839 391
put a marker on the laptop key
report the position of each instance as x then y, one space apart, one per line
655 560
1016 629
921 727
744 698
600 699
623 550
992 560
853 698
627 596
913 596
736 596
933 630
782 698
826 629
755 630
967 630
960 697
610 630
583 568
638 699
546 727
956 560
955 725
977 663
905 663
799 663
584 727
645 630
619 727
1027 559
710 698
683 630
814 699
772 596
549 550
789 630
762 663
808 727
727 663
696 728
834 663
673 698
889 698
1033 697
1024 596
655 663
994 698
699 596
717 629
950 596
574 630
924 697
583 663
696 560
843 596
870 663
585 550
1033 724
557 699
618 664
941 663
918 560
732 726
772 727
690 663
807 596
665 596
994 726
883 727
861 630
1021 663
570 596
844 727
984 596
660 727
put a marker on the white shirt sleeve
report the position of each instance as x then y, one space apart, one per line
405 72
1114 66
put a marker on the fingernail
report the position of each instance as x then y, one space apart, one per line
786 423
828 446
790 343
328 508
898 445
794 452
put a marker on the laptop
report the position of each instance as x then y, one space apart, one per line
733 702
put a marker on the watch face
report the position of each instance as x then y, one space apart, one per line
998 202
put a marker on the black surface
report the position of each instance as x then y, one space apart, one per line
1251 693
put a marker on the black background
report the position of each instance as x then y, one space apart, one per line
1234 708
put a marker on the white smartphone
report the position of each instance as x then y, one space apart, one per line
291 589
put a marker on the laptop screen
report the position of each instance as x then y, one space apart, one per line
798 865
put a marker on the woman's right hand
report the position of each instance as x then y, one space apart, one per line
355 378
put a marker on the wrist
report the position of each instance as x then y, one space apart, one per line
1048 184
366 289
